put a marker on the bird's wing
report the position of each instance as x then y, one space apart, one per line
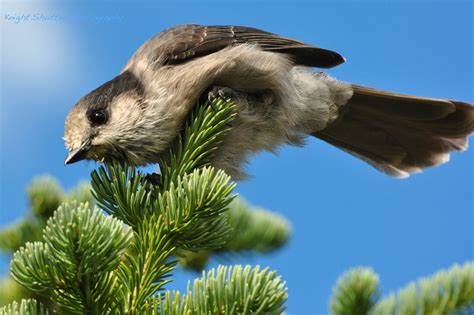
190 41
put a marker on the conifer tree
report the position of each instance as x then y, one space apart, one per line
88 262
110 247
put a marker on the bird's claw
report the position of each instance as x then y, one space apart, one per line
224 93
152 179
219 91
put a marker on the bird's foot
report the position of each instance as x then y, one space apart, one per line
151 180
219 91
225 93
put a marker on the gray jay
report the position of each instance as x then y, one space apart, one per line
137 115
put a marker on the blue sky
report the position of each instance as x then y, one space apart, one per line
343 212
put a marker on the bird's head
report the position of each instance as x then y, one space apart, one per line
110 123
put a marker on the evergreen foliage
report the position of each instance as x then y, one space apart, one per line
251 230
44 197
229 290
113 250
446 292
91 263
25 307
356 292
76 263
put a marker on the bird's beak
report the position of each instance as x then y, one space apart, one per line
78 154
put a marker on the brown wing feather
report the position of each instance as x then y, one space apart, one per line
190 41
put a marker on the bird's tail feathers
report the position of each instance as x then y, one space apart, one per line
400 134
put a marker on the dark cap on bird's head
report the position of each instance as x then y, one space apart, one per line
94 123
136 116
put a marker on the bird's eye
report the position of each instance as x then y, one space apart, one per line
97 117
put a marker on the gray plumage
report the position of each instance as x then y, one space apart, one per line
138 114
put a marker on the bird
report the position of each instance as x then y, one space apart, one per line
280 99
